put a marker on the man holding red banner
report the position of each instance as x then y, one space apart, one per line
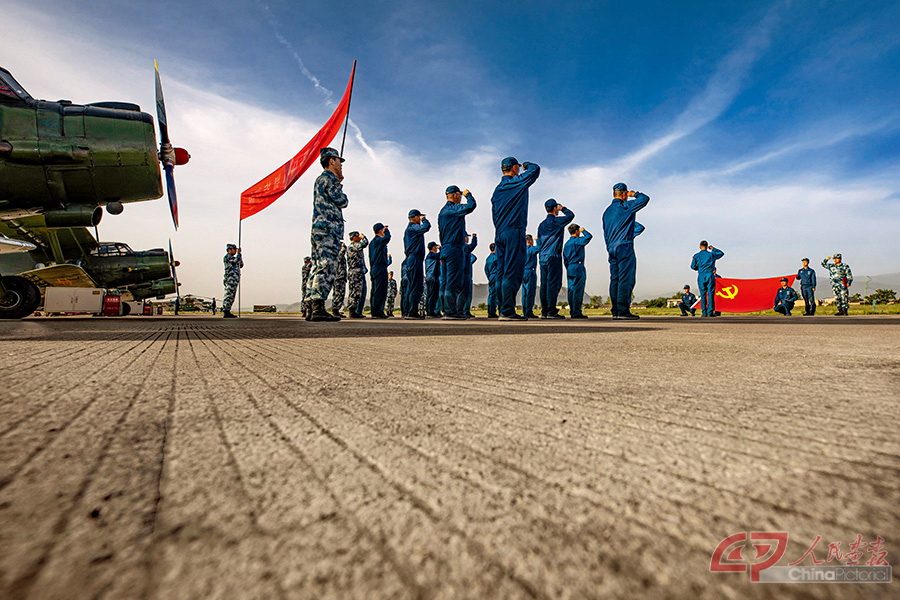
327 232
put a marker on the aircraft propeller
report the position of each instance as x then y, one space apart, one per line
172 264
168 156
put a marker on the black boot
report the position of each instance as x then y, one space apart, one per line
227 314
318 312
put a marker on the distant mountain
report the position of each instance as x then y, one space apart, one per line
888 281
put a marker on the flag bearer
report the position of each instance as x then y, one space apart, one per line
785 298
233 265
687 302
327 232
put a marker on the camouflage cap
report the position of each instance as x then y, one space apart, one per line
231 247
836 255
353 234
307 258
330 152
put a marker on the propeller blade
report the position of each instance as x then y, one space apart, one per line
170 192
166 152
172 263
161 109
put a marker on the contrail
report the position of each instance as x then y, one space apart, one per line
720 91
326 93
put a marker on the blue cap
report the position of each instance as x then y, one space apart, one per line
509 161
377 227
330 152
415 213
687 287
431 245
452 190
806 259
784 279
231 247
620 187
550 204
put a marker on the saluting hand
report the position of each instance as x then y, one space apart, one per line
631 193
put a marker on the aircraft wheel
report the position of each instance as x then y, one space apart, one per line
21 299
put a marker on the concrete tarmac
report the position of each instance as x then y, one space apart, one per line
268 457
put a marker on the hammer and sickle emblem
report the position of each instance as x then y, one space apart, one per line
729 292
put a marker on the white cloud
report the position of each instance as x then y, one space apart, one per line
764 228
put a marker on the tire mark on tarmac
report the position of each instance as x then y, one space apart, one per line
405 492
20 586
48 438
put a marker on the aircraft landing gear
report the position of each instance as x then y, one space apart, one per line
18 297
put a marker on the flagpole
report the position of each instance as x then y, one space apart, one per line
349 100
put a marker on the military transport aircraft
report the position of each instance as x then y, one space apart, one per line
60 164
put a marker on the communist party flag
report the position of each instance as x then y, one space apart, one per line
746 295
270 189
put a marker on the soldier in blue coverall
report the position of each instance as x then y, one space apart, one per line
785 298
433 280
529 278
509 208
378 269
704 262
807 277
412 272
468 277
619 229
573 256
327 232
490 271
687 302
550 240
452 231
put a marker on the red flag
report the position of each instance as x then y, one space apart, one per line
746 295
270 189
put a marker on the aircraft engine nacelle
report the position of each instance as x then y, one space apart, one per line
151 289
73 216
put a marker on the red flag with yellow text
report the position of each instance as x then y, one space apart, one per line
747 295
270 189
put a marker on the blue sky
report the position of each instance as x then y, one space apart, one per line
772 125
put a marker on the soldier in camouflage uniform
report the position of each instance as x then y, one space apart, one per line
327 232
233 265
391 295
841 280
356 274
304 296
340 283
